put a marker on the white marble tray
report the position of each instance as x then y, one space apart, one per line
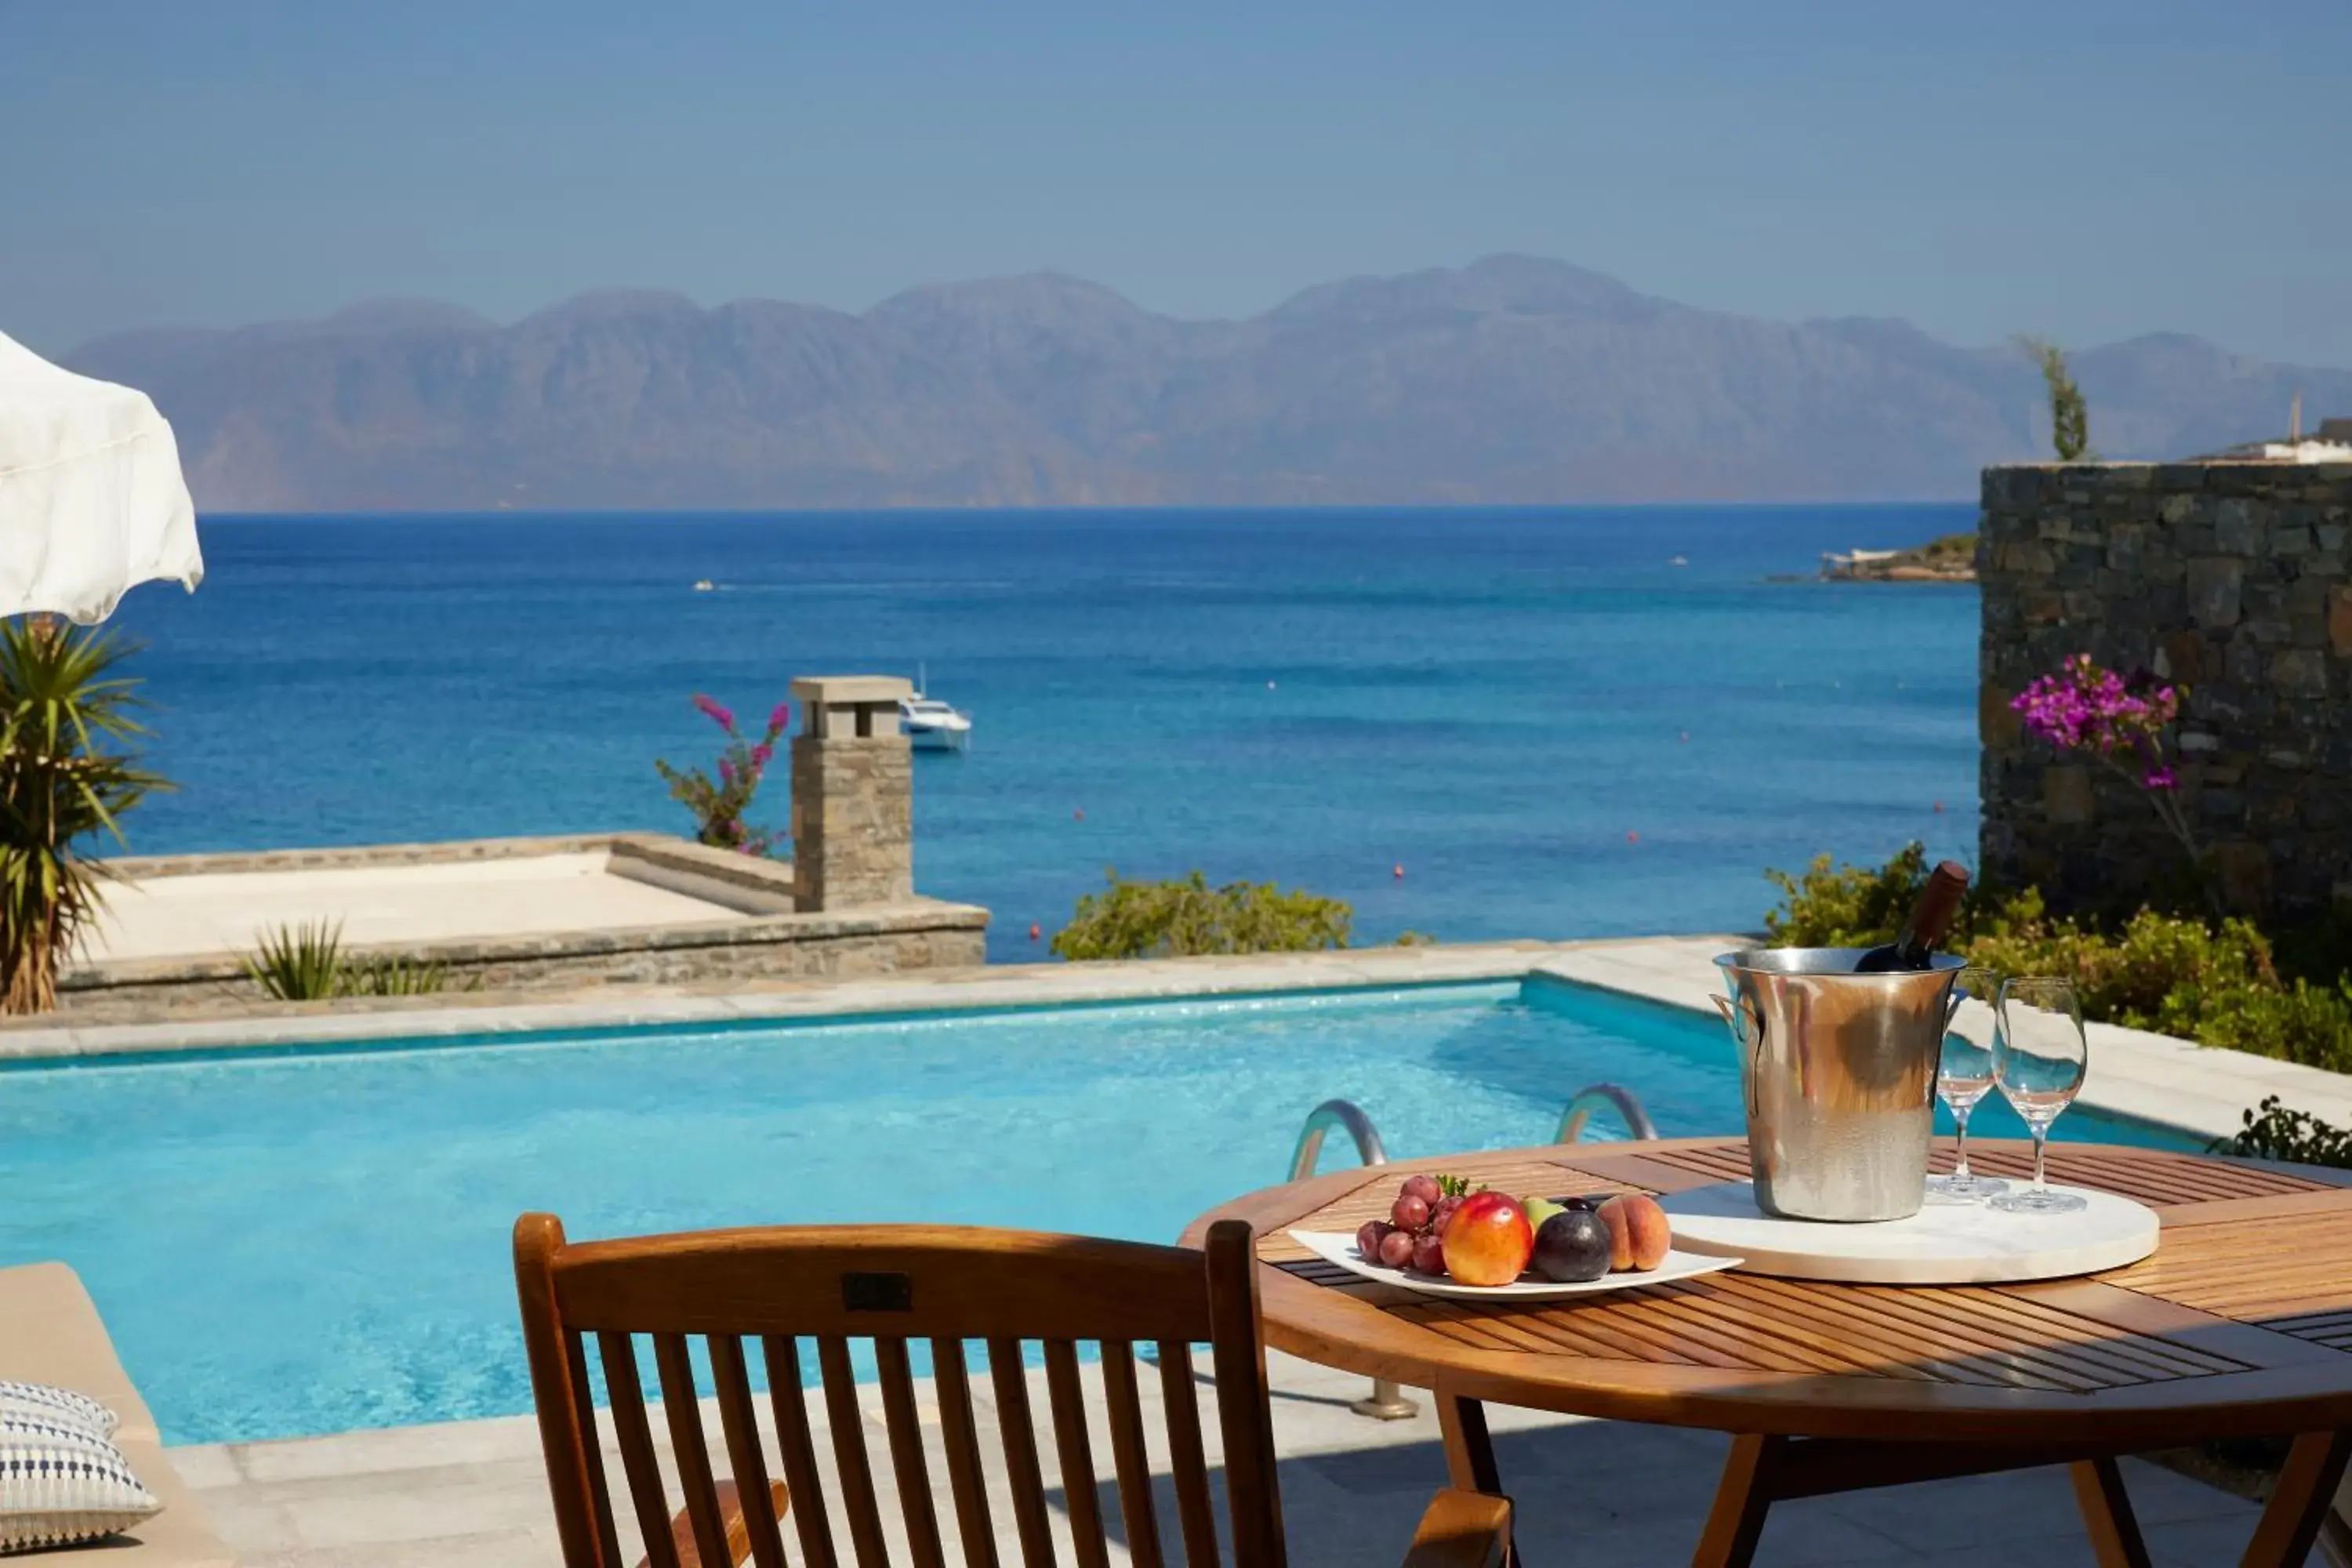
1940 1245
1332 1246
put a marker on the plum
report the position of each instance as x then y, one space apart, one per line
1572 1246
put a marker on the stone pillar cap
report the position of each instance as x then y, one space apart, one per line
842 690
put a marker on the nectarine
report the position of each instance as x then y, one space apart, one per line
1638 1233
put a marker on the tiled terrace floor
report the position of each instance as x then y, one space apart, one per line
1590 1495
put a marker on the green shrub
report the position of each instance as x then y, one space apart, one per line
2278 1133
2219 984
306 963
1856 906
1173 918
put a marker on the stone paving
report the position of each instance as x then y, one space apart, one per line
1590 1494
2154 1077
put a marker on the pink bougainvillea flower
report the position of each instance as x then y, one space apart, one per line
762 755
2160 777
726 771
782 718
714 710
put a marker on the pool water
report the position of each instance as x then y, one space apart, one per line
292 1243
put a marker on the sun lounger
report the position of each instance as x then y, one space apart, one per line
50 1333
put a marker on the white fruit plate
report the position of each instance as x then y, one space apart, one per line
1334 1248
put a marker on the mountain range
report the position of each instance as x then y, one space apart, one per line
1512 380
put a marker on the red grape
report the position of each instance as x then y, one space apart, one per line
1425 1188
1410 1212
1396 1249
1368 1239
1429 1253
1441 1212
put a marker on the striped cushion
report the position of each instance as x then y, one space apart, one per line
60 1485
61 1406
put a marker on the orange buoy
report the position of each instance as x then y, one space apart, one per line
1079 815
1939 808
1396 870
1034 930
1631 836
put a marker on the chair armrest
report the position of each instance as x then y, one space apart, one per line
1462 1530
739 1533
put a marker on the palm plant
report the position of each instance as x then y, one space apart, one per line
306 962
68 770
299 963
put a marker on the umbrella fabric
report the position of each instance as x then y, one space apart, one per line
92 501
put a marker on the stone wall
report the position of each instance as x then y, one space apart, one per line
2231 579
922 934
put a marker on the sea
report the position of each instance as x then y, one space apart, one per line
1471 723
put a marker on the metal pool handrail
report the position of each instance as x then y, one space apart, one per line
1333 1113
1386 1402
1584 1101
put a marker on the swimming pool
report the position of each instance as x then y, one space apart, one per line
298 1242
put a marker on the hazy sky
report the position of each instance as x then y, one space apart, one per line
2088 169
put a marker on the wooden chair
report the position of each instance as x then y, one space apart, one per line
894 1285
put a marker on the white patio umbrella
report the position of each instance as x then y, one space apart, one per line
92 501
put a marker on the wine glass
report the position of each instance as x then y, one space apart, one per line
1964 1075
2038 1057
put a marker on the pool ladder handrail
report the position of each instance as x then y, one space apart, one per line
1590 1098
1387 1400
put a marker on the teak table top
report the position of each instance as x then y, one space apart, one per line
2240 1323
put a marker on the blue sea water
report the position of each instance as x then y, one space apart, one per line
1552 729
309 1242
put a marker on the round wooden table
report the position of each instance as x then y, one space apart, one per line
2240 1324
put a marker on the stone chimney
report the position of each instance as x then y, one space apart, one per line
852 794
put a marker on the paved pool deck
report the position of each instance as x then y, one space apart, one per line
207 913
2154 1077
1590 1494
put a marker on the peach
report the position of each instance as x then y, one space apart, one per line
1489 1240
1638 1233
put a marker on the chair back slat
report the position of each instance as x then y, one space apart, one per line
959 1434
843 1289
1186 1460
907 1463
1130 1459
739 1419
1244 1413
846 1416
1076 1454
1016 1424
787 1397
600 1496
623 1384
674 1366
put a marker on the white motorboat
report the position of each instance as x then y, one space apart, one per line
932 725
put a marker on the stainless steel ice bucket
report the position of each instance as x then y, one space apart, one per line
1838 1070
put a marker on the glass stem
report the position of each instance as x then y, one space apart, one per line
1960 1138
2041 1146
